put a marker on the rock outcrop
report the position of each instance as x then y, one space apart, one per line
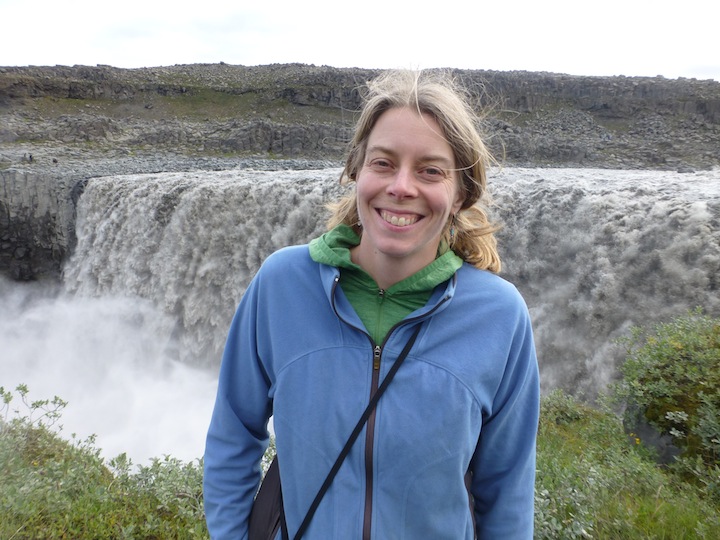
298 111
37 222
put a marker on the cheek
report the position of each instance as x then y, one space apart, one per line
361 189
363 196
366 188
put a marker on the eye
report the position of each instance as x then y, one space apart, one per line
380 164
433 173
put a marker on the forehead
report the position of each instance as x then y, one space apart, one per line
404 130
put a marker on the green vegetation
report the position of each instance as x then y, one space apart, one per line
198 104
52 488
671 380
594 479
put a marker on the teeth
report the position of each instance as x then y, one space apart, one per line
398 221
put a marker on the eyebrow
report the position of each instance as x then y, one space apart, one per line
429 158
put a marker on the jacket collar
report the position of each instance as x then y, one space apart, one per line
330 278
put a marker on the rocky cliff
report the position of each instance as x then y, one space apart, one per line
299 111
60 125
37 223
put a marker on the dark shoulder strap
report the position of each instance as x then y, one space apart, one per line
355 433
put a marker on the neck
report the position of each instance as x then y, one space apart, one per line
385 271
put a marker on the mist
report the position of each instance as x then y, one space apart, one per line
113 361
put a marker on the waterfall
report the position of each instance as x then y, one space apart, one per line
595 252
191 242
162 260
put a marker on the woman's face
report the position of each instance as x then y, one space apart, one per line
407 189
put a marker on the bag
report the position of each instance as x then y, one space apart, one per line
267 510
267 515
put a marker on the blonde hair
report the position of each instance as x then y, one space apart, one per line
436 94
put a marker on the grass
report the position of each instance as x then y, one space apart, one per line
54 488
197 104
594 481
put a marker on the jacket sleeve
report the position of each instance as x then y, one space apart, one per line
503 468
238 435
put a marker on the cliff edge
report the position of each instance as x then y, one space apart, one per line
302 111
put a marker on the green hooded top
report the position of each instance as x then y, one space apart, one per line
378 309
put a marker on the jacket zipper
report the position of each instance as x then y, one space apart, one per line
369 445
370 437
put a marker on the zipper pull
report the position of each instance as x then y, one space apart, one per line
376 357
381 293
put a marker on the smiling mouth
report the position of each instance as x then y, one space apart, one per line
398 221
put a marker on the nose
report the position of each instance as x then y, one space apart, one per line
403 184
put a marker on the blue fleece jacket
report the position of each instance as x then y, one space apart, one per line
466 399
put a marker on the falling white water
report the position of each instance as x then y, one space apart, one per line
595 252
111 359
133 338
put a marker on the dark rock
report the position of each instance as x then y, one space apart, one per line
37 224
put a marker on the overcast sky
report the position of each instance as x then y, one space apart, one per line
613 37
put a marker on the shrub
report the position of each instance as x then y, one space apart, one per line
671 377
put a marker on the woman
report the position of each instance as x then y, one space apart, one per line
449 451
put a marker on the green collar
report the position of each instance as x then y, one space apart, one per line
333 249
